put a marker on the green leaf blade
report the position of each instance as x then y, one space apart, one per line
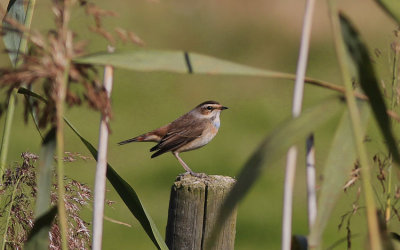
358 52
126 192
273 148
392 7
129 196
174 61
12 38
337 168
45 173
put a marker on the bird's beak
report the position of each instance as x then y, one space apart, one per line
223 107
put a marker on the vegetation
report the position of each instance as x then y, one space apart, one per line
57 69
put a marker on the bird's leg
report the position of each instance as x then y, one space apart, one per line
176 154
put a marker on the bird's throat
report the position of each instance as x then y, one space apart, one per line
216 122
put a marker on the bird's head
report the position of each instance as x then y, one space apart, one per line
209 109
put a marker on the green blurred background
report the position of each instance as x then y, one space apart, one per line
259 33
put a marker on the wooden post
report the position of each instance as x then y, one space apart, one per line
193 208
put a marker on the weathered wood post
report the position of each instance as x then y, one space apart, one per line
193 208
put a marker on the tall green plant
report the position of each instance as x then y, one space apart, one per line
341 157
16 43
346 36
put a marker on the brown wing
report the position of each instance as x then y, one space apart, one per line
182 131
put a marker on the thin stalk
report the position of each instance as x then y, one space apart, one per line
389 192
60 156
11 101
288 198
392 106
374 235
296 110
101 168
61 85
7 130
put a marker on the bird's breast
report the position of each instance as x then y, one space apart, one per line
202 140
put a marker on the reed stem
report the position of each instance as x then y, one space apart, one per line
296 110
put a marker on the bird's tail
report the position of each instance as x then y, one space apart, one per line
145 137
127 141
137 138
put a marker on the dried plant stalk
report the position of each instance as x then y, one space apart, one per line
101 168
292 153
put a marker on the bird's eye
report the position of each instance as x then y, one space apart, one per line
209 108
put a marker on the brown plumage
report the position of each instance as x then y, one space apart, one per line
190 131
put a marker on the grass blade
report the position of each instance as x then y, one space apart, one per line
39 235
125 191
13 36
187 63
12 40
45 173
273 148
172 61
392 7
29 93
341 157
15 43
366 75
128 195
340 27
5 140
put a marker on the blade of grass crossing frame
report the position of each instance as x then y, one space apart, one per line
12 37
392 7
125 191
337 168
15 43
273 148
128 195
369 83
29 93
45 173
345 64
187 63
12 40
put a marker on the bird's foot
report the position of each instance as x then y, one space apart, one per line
198 175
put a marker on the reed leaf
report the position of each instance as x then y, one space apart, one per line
124 190
45 173
369 83
38 238
348 60
12 37
128 195
392 7
273 148
15 43
187 63
341 158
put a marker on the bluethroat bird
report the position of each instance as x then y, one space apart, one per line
190 131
